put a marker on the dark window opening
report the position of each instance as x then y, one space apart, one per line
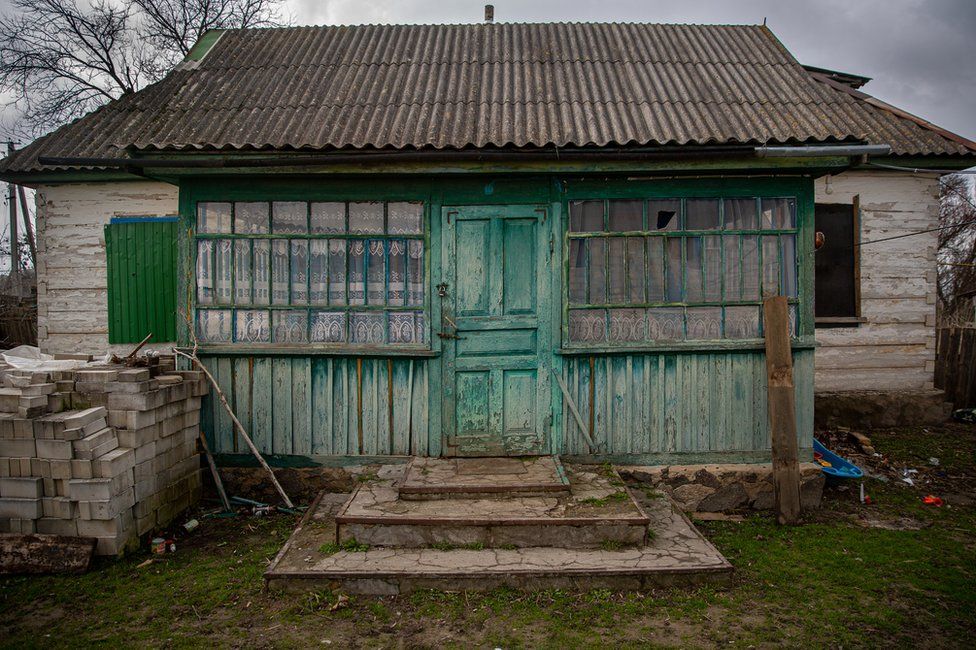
837 277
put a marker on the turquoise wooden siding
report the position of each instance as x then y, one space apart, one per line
141 264
668 404
320 406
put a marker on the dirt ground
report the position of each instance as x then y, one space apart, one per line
895 572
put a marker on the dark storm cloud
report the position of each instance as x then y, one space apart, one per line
919 54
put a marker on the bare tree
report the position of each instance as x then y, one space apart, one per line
957 252
60 59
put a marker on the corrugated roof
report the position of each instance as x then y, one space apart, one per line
489 85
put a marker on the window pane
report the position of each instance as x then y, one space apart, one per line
704 323
318 271
618 270
366 218
406 327
665 324
299 272
732 277
376 272
415 272
742 322
626 216
635 269
262 271
771 265
290 326
750 267
740 214
788 243
586 216
397 293
337 272
289 217
251 218
713 268
778 213
674 270
327 217
405 218
577 271
213 217
587 325
357 272
701 214
252 326
214 325
205 273
693 269
242 272
223 272
794 323
664 214
627 325
366 328
328 327
655 269
279 272
597 272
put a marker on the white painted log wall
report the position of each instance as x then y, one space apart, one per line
895 348
72 294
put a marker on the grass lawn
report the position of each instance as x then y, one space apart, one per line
894 573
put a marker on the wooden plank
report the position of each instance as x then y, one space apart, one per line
301 416
402 399
282 401
34 554
224 374
782 409
320 406
262 400
242 382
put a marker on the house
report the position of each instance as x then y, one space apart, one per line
497 239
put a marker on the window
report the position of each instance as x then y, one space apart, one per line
836 263
660 270
294 272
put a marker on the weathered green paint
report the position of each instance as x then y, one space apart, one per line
495 373
203 45
141 274
695 400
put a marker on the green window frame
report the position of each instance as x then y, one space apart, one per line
337 274
646 271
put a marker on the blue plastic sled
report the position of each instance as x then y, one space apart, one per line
839 468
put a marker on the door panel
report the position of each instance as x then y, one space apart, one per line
496 348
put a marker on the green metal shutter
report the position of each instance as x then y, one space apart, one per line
141 259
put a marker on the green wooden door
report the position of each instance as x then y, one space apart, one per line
495 304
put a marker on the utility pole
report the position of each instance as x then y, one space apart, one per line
14 237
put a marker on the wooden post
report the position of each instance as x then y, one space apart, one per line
781 400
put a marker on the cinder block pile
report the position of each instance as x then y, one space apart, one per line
108 452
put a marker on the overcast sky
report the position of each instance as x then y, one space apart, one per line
918 53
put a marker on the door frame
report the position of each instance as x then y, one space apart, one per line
547 311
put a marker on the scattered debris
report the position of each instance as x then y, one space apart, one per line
934 462
29 553
965 415
931 500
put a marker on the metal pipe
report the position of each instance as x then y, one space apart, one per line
823 150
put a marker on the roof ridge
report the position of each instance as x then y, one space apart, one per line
489 25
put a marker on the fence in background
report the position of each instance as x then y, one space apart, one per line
955 365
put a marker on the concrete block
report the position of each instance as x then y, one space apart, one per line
21 508
41 467
4 467
21 488
57 526
22 448
54 449
145 489
50 487
94 440
138 437
139 419
99 451
143 471
134 375
38 390
60 469
82 469
58 507
32 402
99 489
60 487
22 526
108 509
106 527
114 463
23 428
145 452
96 376
79 419
57 402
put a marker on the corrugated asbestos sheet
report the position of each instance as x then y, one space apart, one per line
500 85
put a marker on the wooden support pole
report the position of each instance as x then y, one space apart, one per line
31 243
782 409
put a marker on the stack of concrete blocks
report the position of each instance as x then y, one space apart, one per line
110 453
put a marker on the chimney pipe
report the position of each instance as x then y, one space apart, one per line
489 14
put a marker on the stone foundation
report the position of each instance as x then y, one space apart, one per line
869 409
724 488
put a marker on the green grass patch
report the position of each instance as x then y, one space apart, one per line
350 545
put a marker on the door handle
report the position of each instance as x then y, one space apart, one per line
449 335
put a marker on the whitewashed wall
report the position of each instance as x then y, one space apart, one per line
895 348
72 294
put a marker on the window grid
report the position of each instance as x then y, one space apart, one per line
774 228
224 303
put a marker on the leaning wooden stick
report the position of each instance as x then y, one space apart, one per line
237 423
213 471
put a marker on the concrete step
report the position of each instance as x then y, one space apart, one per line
675 555
596 512
477 478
